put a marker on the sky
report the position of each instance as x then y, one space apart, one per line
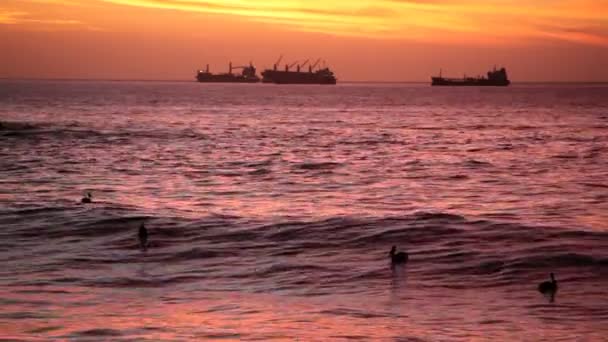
361 40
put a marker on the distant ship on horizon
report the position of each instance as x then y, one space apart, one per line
320 76
496 78
247 75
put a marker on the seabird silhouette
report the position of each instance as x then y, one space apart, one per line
88 198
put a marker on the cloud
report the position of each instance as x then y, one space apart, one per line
267 9
456 21
10 17
360 18
21 17
586 34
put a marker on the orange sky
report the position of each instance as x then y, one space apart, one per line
391 40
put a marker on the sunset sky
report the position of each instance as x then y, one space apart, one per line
373 40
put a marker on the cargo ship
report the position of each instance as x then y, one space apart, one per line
299 76
247 75
497 78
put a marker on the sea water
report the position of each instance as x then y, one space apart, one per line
271 211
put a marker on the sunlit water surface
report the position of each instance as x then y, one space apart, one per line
272 209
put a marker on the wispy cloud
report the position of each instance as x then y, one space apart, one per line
468 19
430 20
10 17
20 17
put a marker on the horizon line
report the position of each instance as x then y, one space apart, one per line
194 81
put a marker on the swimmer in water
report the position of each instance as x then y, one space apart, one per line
143 237
548 287
397 258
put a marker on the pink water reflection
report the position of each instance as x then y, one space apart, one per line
400 312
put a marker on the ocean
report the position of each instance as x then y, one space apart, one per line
271 211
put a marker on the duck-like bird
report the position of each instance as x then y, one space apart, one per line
88 198
548 287
398 258
143 237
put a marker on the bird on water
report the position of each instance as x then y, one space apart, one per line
548 287
143 237
88 198
398 258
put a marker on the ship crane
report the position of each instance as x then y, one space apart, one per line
248 70
277 62
231 67
303 64
287 67
310 68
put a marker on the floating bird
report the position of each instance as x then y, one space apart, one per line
548 287
88 198
143 237
398 258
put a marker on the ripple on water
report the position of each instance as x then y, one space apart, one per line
296 197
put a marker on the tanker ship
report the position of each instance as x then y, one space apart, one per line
494 77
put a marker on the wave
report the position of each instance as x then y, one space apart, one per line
37 129
557 261
71 130
371 142
260 172
191 254
97 333
318 165
15 126
291 268
76 221
476 163
293 253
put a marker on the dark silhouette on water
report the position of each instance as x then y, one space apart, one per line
88 198
247 75
322 75
398 258
548 287
496 78
143 237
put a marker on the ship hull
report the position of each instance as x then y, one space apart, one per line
474 82
294 77
225 78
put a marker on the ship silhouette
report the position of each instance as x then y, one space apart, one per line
311 76
247 75
494 77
